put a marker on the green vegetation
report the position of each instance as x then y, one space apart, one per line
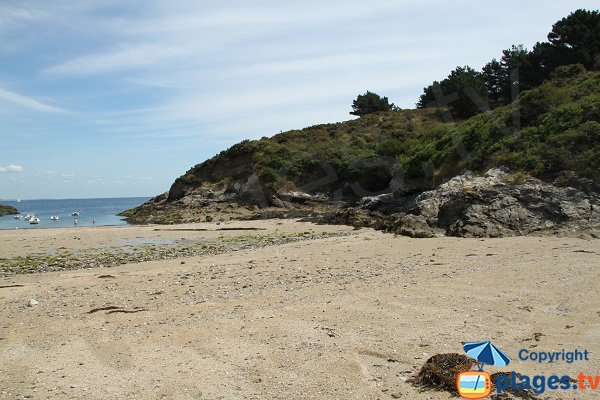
369 103
551 128
578 37
574 39
466 92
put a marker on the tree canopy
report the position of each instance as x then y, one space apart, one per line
462 92
574 39
369 103
580 33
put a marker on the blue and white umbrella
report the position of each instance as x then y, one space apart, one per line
486 353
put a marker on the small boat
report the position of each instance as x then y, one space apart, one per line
34 220
54 218
75 213
28 217
18 216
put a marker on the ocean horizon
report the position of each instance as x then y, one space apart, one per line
92 211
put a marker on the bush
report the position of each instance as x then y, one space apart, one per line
391 148
568 71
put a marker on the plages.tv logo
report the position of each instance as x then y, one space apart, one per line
478 384
474 384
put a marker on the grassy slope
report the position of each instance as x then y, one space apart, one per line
558 129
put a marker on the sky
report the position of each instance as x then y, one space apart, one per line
103 98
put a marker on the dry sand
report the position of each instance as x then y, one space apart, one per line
349 317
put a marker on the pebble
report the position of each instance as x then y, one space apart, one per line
32 302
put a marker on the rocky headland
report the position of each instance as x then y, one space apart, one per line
414 172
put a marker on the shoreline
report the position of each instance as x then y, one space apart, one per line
64 227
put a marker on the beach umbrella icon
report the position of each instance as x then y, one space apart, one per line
486 353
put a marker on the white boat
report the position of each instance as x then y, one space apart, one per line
18 216
54 218
28 217
75 213
34 220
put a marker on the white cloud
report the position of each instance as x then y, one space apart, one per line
127 57
27 102
132 179
52 175
14 168
11 168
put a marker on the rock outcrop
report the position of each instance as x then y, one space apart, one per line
7 210
494 205
239 200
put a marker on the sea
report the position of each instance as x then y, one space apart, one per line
102 211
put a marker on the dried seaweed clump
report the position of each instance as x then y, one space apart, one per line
441 370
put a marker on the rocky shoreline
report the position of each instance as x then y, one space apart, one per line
496 204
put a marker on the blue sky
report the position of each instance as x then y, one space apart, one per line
114 99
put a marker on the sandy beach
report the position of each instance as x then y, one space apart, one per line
315 312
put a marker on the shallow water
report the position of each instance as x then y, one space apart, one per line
103 211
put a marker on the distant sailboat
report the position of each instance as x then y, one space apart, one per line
18 200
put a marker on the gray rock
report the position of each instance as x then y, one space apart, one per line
159 198
32 303
414 226
303 197
399 223
374 202
493 206
276 202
